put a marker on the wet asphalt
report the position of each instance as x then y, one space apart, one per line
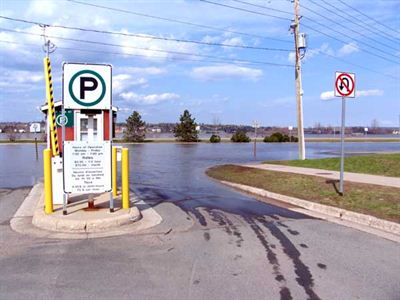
213 243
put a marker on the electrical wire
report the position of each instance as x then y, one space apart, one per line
245 10
357 65
347 28
307 26
147 49
148 36
370 18
178 21
363 24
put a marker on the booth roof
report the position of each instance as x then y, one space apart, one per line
44 107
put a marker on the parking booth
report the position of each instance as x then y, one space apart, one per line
77 128
85 125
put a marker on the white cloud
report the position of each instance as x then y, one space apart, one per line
148 99
348 49
236 41
225 71
42 8
327 95
123 81
20 79
153 49
361 93
367 93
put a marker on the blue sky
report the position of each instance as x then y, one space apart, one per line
161 85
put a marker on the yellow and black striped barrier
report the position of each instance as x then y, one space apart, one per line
51 111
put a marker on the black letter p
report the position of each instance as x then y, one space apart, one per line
87 88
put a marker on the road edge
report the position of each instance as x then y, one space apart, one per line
366 223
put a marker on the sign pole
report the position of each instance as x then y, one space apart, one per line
62 145
342 133
110 134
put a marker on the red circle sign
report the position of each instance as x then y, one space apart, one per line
348 85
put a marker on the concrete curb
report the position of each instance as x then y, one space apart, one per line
342 214
31 220
52 223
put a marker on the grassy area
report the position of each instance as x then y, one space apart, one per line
382 202
21 142
376 164
353 140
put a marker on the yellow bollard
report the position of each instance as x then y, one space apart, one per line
114 171
48 190
125 178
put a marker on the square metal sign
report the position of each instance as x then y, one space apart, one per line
87 86
345 85
87 167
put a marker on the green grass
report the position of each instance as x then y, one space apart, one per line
376 164
353 140
379 201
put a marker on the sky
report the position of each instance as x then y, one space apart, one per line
250 77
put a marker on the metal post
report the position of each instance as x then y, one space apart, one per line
110 133
342 133
114 171
125 178
36 148
255 140
299 92
48 189
65 196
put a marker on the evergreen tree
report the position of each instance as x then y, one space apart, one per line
185 131
135 128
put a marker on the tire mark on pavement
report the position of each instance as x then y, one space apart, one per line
304 276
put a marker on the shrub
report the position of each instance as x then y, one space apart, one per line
278 137
240 137
215 138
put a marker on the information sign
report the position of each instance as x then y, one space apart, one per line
87 167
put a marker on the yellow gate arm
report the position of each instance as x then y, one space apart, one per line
51 113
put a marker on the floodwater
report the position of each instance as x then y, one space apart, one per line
179 166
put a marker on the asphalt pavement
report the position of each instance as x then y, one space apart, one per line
255 251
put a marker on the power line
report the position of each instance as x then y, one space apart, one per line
346 27
363 24
307 26
148 36
357 65
370 18
262 6
313 11
245 10
233 62
179 21
147 49
344 42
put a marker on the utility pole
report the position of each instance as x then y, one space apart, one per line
299 43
